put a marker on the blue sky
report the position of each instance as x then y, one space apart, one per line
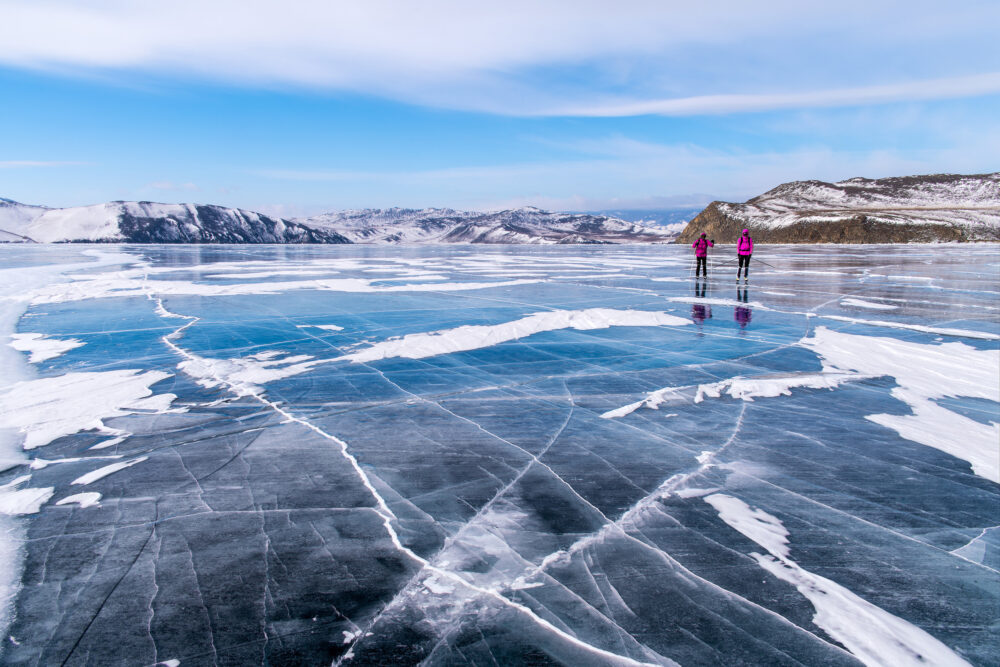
300 107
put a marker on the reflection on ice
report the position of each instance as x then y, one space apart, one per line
500 455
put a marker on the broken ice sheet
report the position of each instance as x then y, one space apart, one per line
397 455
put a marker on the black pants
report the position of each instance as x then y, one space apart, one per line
744 266
701 265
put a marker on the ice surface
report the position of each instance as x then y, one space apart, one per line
875 636
499 455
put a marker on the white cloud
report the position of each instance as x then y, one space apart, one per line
962 86
530 58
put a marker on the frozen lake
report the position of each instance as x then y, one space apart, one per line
499 455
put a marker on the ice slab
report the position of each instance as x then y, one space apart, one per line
509 455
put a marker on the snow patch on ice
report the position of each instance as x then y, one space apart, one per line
134 283
101 473
87 499
746 388
42 348
861 303
958 333
871 633
325 327
923 373
243 376
49 408
770 386
474 337
14 501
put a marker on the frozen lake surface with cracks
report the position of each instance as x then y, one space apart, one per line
571 455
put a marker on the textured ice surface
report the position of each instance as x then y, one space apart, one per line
503 455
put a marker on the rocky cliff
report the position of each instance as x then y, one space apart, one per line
939 207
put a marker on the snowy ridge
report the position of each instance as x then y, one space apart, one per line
522 225
149 222
962 207
941 199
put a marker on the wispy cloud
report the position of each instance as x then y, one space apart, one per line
521 57
620 172
962 86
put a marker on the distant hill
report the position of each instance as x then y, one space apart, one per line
521 225
938 207
671 219
148 222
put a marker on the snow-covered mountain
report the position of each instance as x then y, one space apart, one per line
522 225
147 222
938 207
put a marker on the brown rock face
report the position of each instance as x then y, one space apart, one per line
936 207
858 228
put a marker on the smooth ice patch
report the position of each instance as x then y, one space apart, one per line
474 337
871 633
861 303
88 499
718 302
924 372
41 348
49 408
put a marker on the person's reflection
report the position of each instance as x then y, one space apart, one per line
700 311
742 314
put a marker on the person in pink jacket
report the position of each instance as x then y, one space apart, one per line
701 247
744 248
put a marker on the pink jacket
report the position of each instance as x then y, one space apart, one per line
701 247
744 246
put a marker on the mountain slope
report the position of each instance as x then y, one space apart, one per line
938 207
147 222
522 225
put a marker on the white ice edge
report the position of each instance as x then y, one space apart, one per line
42 348
875 636
14 284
